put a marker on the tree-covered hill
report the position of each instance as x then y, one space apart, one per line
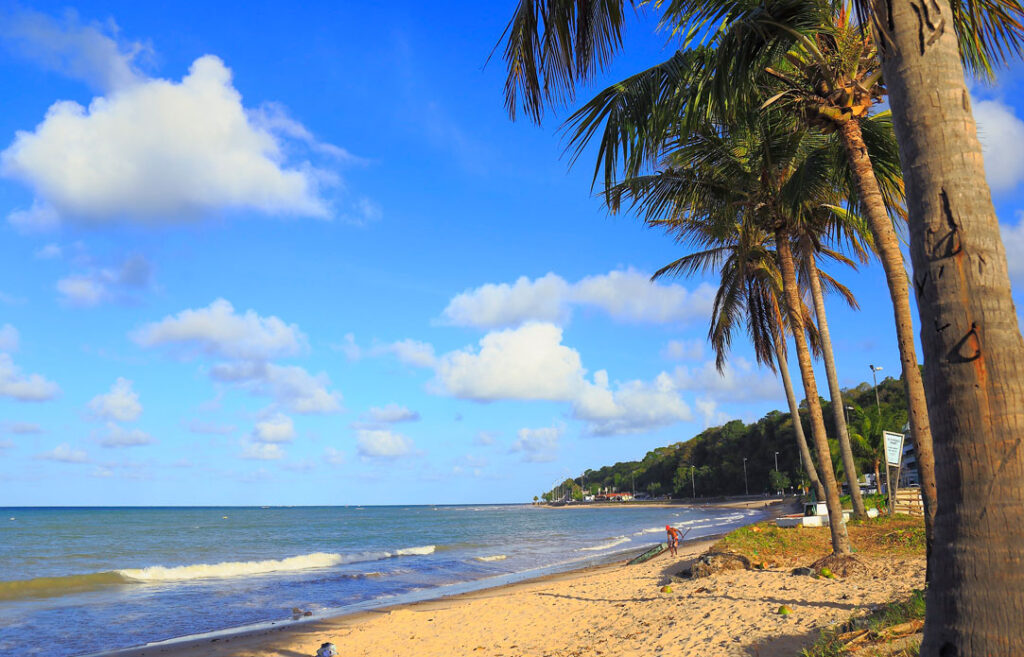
711 463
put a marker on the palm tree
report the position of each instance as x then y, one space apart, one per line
749 290
763 171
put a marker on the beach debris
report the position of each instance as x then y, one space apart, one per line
784 610
327 649
839 566
666 589
803 570
710 563
827 573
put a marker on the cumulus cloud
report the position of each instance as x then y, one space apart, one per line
634 407
1000 132
49 252
103 285
382 444
684 349
625 295
94 53
22 428
529 362
9 338
65 453
248 341
410 352
290 385
538 445
217 330
24 387
209 428
276 429
334 456
121 403
390 414
262 451
117 436
155 151
1013 241
485 438
741 380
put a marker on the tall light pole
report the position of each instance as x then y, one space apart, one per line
746 489
848 408
694 485
878 411
776 461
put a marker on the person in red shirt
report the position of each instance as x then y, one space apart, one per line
673 538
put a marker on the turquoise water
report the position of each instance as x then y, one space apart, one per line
82 580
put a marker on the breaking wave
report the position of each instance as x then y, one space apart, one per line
618 540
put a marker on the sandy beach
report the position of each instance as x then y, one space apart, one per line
609 610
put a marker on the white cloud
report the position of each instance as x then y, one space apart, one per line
9 338
65 453
49 252
382 444
411 352
1013 242
499 305
740 380
262 452
529 362
334 456
217 330
485 438
1001 133
201 427
538 445
684 349
625 295
290 385
634 407
118 436
391 413
276 429
708 408
103 285
94 53
22 428
631 296
349 347
6 444
155 151
121 403
31 387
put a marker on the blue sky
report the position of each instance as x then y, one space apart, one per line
264 253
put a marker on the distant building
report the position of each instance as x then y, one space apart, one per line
619 497
909 473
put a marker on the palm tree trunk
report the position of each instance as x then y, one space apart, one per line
840 541
849 465
887 247
973 350
798 426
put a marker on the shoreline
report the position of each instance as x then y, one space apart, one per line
253 637
200 644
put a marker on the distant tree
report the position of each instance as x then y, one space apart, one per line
778 480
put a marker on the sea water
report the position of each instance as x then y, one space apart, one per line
83 580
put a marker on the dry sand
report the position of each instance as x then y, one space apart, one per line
614 610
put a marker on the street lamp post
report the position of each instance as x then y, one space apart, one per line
878 413
692 483
848 409
777 463
746 489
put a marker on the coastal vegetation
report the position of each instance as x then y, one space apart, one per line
711 463
718 143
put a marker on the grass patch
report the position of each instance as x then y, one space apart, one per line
765 543
832 642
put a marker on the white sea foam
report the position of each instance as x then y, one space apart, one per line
248 568
493 557
618 540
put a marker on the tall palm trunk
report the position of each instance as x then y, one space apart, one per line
888 249
833 388
798 426
973 351
840 541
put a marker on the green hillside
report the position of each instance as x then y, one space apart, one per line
711 463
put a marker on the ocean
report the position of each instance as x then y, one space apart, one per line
76 581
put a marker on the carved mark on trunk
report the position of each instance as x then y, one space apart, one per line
919 282
947 245
955 355
930 23
940 329
966 100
